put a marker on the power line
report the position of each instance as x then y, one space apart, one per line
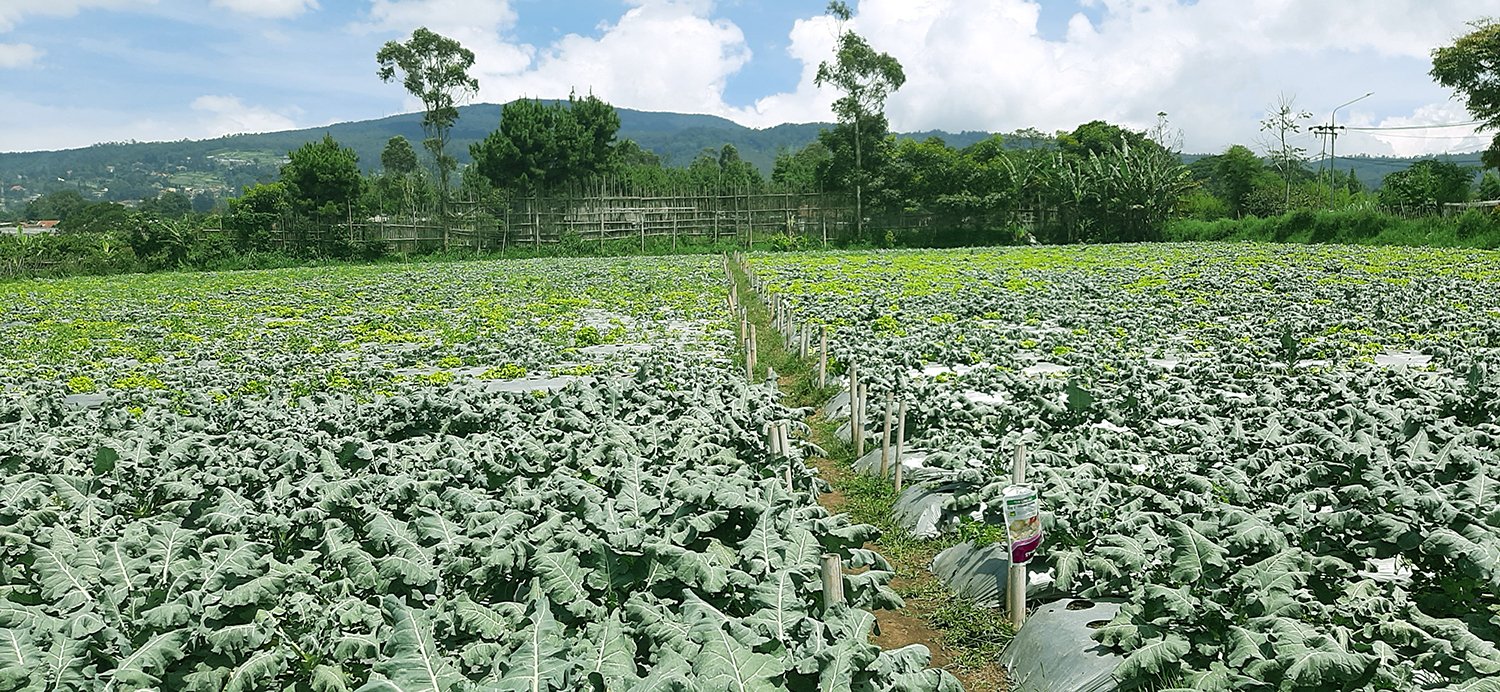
1382 136
1418 127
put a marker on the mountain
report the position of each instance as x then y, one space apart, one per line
223 166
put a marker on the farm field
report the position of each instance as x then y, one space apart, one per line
525 475
1284 461
551 474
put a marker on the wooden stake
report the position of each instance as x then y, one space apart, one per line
900 441
833 580
885 441
859 444
823 360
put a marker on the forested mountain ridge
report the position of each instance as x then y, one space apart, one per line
221 167
224 165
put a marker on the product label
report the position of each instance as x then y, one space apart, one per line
1023 523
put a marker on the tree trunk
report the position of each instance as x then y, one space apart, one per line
859 183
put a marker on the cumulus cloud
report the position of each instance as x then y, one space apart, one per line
1414 135
14 55
222 115
660 54
1213 65
268 9
633 62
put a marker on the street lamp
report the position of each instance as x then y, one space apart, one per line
1333 139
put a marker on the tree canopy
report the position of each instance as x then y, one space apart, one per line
1471 66
540 146
865 77
435 69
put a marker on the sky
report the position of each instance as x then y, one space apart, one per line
79 72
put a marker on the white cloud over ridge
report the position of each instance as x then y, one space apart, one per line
222 115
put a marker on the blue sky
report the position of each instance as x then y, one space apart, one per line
75 72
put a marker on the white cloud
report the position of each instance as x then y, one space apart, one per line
222 115
14 55
1213 65
29 126
1407 136
660 54
13 11
268 9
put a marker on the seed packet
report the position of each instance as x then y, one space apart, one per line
1023 522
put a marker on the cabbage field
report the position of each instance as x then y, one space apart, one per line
1284 461
525 475
552 475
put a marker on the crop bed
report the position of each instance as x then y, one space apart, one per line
537 475
1284 461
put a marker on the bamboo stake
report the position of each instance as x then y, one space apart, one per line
859 444
885 442
833 581
900 441
823 359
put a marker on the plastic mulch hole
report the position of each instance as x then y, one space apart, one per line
1096 624
1080 605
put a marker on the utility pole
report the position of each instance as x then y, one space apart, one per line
1326 133
1332 156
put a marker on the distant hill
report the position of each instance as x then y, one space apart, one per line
1372 170
223 166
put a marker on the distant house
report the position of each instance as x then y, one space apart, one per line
32 227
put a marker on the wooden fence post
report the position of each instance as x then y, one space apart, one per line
900 441
833 580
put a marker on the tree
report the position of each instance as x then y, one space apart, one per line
167 205
398 157
1234 175
736 173
321 174
1489 186
799 169
253 216
55 205
866 78
96 218
1162 133
1471 65
1098 138
435 69
1426 185
323 182
1288 159
541 146
401 187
